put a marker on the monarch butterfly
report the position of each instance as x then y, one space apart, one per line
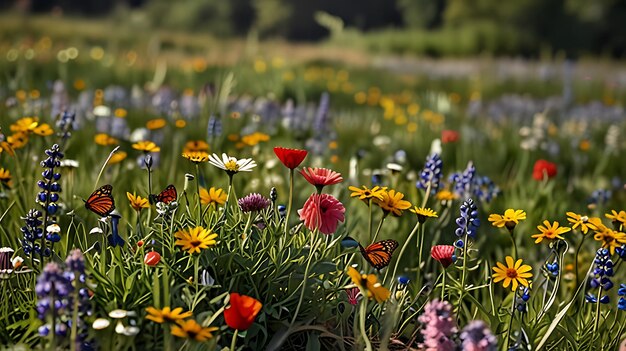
101 201
166 196
377 254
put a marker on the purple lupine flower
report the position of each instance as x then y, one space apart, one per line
65 124
467 222
485 189
253 202
53 288
214 127
431 173
439 326
48 197
463 181
32 230
602 273
476 336
322 117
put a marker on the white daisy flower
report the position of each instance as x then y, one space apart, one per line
232 165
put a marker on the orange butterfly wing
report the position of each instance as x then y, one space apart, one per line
101 201
379 253
168 195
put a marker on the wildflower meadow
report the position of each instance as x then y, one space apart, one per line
269 205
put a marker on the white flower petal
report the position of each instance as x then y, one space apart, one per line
117 314
101 323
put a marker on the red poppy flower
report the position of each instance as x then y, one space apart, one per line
323 212
321 177
291 158
152 258
449 136
242 311
443 254
543 167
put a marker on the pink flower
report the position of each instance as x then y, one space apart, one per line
439 326
443 254
353 295
323 212
320 177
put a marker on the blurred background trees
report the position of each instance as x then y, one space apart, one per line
426 27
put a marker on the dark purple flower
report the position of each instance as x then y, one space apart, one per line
253 202
476 336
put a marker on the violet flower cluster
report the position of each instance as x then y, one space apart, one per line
431 174
602 273
439 326
476 336
58 292
467 222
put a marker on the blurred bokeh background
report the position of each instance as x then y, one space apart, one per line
437 28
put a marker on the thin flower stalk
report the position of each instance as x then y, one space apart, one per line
314 243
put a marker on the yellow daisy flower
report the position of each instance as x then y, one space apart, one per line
550 232
137 202
190 329
104 139
514 273
213 196
195 239
423 213
6 178
369 285
197 156
392 203
196 145
156 123
585 223
509 219
617 217
117 157
146 146
365 194
445 195
166 315
610 238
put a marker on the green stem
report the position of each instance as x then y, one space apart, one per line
380 225
200 219
508 331
244 235
233 343
196 265
419 257
404 246
289 204
370 219
306 275
463 275
511 236
443 285
580 244
597 321
362 315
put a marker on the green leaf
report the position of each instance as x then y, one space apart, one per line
313 344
